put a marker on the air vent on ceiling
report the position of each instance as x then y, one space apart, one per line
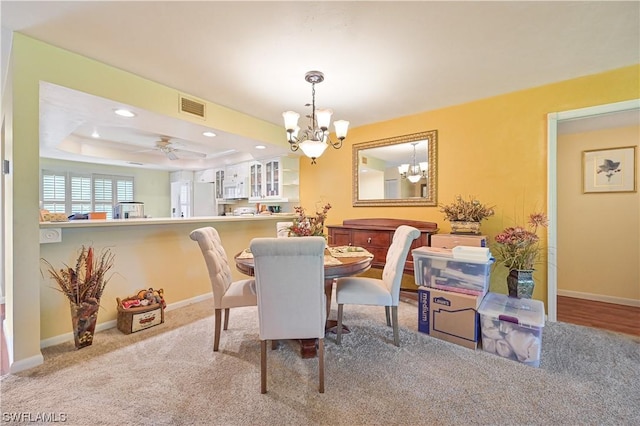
192 107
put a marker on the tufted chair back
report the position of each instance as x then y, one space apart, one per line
291 294
396 258
216 259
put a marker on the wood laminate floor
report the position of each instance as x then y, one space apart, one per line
608 316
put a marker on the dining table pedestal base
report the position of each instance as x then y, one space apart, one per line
308 347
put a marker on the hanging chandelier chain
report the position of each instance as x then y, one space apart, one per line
313 106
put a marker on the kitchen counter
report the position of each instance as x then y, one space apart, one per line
162 221
152 252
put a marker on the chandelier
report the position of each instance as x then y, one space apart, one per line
315 138
415 171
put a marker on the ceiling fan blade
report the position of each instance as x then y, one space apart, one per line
189 154
171 155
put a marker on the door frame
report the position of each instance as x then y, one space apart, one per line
552 188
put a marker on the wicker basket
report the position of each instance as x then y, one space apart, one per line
139 318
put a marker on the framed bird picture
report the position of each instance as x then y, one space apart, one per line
609 170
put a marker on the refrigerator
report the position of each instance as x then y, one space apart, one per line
204 199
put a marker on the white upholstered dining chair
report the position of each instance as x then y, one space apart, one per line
226 292
375 291
289 276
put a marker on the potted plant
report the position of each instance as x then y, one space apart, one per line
83 286
306 226
518 249
465 215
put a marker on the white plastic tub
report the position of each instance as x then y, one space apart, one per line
512 328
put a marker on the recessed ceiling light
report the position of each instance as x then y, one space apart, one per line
209 134
95 134
261 147
124 112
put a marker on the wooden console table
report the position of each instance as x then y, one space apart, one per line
376 235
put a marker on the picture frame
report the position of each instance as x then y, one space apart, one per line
609 170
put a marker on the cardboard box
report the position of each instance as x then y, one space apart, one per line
450 241
449 316
512 327
437 268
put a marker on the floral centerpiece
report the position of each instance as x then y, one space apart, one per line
83 286
518 249
305 226
465 215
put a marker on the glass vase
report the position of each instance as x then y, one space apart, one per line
520 283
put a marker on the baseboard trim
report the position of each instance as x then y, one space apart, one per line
599 298
62 338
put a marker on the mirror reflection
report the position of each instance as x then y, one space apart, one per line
398 171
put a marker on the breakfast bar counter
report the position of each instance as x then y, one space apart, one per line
152 252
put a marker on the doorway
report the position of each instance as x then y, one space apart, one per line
553 121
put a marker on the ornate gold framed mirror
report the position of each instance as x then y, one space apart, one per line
397 171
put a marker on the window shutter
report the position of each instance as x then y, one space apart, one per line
53 191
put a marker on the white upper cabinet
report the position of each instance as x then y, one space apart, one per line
276 179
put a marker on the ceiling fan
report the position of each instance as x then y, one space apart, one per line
165 146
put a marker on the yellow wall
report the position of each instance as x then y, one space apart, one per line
598 233
495 149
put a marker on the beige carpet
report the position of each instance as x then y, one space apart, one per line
169 375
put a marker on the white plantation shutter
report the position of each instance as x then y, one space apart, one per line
124 189
53 191
64 192
103 195
80 193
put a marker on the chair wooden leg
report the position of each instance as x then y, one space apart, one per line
339 326
263 366
216 329
396 336
386 311
274 344
321 364
226 318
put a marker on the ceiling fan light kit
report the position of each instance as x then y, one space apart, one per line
164 145
315 139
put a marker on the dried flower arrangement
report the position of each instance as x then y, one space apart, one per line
519 248
88 280
305 226
466 211
83 286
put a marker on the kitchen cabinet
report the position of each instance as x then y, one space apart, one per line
219 180
236 181
376 235
275 180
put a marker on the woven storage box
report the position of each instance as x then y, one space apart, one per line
139 318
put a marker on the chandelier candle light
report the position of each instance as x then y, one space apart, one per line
414 172
315 139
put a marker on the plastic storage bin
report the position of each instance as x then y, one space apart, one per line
437 268
512 328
